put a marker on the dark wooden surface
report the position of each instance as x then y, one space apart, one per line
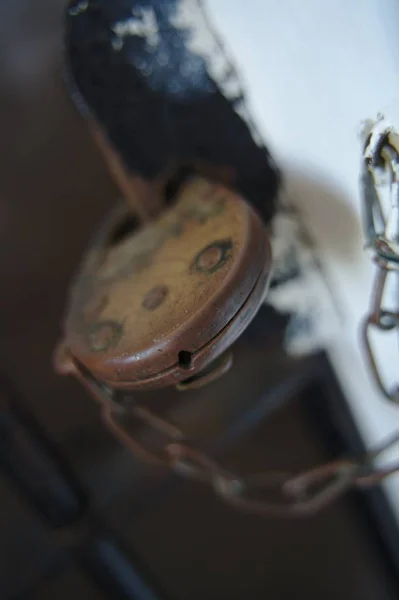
180 539
54 190
200 548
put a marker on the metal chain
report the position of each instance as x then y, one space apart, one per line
279 493
273 493
381 160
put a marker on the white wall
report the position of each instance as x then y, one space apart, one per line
313 69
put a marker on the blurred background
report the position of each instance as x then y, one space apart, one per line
80 516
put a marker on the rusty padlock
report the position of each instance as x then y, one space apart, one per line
167 286
153 306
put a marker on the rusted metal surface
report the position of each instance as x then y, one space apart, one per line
144 198
218 368
154 305
271 493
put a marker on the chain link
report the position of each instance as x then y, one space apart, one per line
381 163
273 493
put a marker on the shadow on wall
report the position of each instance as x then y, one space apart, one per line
332 220
317 250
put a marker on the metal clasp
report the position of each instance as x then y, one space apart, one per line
382 235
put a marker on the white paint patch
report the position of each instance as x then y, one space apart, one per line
117 43
190 17
79 8
315 321
143 24
232 87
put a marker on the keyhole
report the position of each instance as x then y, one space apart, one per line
185 359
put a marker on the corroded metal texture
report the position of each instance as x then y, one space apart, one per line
152 306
